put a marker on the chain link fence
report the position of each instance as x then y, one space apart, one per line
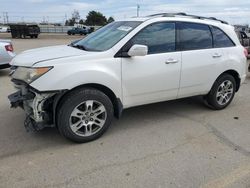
58 29
54 29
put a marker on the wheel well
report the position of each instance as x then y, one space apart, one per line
115 101
236 77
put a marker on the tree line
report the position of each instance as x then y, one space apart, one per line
93 18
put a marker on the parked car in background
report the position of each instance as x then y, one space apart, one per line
24 30
248 35
80 31
6 53
78 88
244 39
4 29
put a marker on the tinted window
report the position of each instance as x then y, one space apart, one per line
195 36
221 39
159 37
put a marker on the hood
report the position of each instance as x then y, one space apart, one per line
31 57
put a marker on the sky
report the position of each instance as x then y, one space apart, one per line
233 11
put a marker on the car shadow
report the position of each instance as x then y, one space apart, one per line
158 111
132 116
50 138
4 72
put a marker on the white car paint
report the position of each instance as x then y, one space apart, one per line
137 80
5 56
3 29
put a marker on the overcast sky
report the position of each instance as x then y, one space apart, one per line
233 11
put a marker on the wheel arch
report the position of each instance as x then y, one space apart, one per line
117 104
236 76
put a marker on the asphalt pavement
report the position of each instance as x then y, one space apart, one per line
171 144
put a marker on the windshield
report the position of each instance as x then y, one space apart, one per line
106 37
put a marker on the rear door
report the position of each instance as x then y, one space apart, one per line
200 61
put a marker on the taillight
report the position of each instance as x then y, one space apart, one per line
245 52
9 48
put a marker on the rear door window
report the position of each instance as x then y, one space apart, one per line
194 36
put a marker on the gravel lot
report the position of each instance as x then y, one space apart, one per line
172 144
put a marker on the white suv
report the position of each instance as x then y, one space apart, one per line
78 88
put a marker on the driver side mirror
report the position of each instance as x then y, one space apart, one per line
138 50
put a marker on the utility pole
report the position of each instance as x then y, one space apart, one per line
138 10
66 18
7 17
4 18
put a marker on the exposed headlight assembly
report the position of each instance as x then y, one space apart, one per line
29 74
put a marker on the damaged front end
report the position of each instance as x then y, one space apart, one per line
37 106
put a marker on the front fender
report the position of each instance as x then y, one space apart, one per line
67 78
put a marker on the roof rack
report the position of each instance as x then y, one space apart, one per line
182 14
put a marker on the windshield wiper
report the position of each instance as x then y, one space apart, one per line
81 47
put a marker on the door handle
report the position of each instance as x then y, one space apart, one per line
171 61
216 55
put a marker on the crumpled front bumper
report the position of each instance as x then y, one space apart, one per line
16 99
37 106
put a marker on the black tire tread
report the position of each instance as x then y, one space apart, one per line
62 113
210 98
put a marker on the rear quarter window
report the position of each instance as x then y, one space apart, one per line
221 40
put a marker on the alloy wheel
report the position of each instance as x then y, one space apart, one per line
224 92
88 118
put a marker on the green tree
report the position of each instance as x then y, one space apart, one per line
71 21
111 19
95 18
67 22
76 15
81 22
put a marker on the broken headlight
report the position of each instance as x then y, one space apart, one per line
29 74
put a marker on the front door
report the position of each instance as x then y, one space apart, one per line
156 76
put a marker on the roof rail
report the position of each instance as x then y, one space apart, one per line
182 14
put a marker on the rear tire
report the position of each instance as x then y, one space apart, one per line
84 115
222 92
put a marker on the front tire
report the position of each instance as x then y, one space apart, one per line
222 92
84 115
